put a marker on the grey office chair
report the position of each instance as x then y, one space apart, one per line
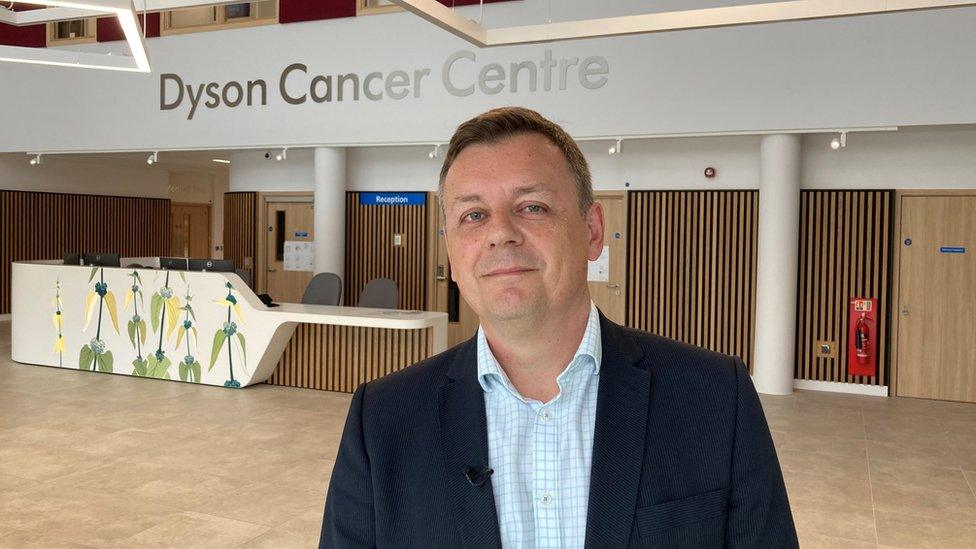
379 293
323 289
244 274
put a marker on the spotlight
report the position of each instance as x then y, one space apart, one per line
283 155
153 158
616 148
839 142
36 160
435 152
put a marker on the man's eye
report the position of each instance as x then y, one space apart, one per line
534 208
474 216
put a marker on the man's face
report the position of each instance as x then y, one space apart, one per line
516 239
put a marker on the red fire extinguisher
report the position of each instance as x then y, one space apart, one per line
862 336
863 340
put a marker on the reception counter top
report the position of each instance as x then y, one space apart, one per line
198 327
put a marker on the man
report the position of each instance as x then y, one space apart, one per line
553 427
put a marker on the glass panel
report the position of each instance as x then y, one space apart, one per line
193 17
377 3
69 29
238 11
267 9
280 235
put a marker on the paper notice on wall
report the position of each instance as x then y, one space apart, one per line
599 270
299 255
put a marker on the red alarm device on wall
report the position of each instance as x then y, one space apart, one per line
862 337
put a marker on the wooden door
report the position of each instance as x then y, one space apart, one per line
937 298
191 230
608 284
462 322
287 222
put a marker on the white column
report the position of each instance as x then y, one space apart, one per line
779 224
330 210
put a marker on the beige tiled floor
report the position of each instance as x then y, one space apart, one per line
93 460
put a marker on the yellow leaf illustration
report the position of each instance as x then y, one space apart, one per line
112 313
237 309
59 345
89 308
179 336
223 302
172 315
128 299
58 322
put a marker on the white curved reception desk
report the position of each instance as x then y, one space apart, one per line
197 327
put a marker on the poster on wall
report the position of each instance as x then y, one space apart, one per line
599 270
299 255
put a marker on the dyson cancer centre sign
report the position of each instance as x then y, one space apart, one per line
460 75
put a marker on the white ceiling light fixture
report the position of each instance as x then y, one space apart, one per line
283 155
747 14
61 10
153 158
435 152
617 147
36 161
221 161
839 142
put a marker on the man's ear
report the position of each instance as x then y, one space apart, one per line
595 225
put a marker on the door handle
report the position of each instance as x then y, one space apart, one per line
272 270
613 286
904 310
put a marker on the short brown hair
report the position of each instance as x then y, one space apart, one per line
499 124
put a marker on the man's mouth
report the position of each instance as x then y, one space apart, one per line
509 271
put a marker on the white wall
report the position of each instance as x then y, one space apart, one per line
889 160
897 69
61 175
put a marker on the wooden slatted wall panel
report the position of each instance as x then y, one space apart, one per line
35 225
240 230
691 264
370 252
340 358
845 252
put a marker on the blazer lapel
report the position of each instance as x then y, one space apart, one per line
464 442
623 399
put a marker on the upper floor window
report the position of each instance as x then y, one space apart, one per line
75 31
224 16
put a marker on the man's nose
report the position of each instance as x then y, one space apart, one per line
503 231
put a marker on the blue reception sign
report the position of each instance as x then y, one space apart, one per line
952 250
392 199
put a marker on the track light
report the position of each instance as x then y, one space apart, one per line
435 152
839 142
36 160
283 155
617 148
153 158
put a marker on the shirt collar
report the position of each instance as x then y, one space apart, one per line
590 346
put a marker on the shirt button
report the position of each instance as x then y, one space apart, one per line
546 498
545 415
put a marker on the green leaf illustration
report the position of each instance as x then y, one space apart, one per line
92 275
183 276
104 362
140 367
131 328
86 358
195 368
142 331
240 337
155 307
218 343
158 368
184 371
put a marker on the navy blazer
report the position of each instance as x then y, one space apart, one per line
682 455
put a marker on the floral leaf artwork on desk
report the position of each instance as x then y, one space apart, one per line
164 311
94 354
226 334
58 320
136 325
190 366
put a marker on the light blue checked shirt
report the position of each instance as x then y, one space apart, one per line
541 452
